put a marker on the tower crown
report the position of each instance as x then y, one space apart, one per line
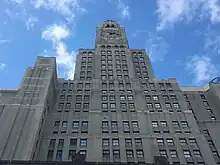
110 32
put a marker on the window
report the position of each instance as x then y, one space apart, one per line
106 154
62 97
64 124
69 97
173 154
213 118
149 105
175 124
115 142
75 124
105 124
122 97
176 105
86 98
130 97
210 111
157 105
163 123
59 154
182 141
85 105
170 141
126 126
84 124
104 98
197 153
147 97
163 153
129 153
186 153
78 98
50 155
215 154
123 105
61 105
83 142
184 124
138 142
173 97
202 96
154 123
128 142
160 141
131 106
155 98
57 123
104 105
78 106
192 141
206 132
206 103
116 154
82 152
210 143
71 154
112 105
105 142
168 105
152 85
52 143
114 126
165 97
140 153
73 142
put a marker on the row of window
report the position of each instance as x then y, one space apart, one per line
211 146
129 155
184 124
115 52
186 153
170 142
115 46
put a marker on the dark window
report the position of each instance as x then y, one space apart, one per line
73 142
57 123
71 154
50 155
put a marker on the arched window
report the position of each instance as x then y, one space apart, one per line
112 25
107 25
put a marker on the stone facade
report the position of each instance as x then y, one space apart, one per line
113 111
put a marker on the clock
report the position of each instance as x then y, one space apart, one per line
111 34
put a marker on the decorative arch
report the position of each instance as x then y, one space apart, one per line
216 80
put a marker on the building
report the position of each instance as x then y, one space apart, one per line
113 111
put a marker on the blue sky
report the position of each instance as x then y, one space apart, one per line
182 37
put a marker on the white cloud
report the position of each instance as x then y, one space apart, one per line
212 42
156 47
31 22
65 60
55 33
4 41
67 8
202 68
3 66
174 11
123 9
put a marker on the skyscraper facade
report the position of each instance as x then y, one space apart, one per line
113 111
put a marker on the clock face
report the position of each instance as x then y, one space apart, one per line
111 34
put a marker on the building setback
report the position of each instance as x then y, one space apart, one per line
113 111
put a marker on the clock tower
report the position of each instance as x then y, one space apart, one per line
110 32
